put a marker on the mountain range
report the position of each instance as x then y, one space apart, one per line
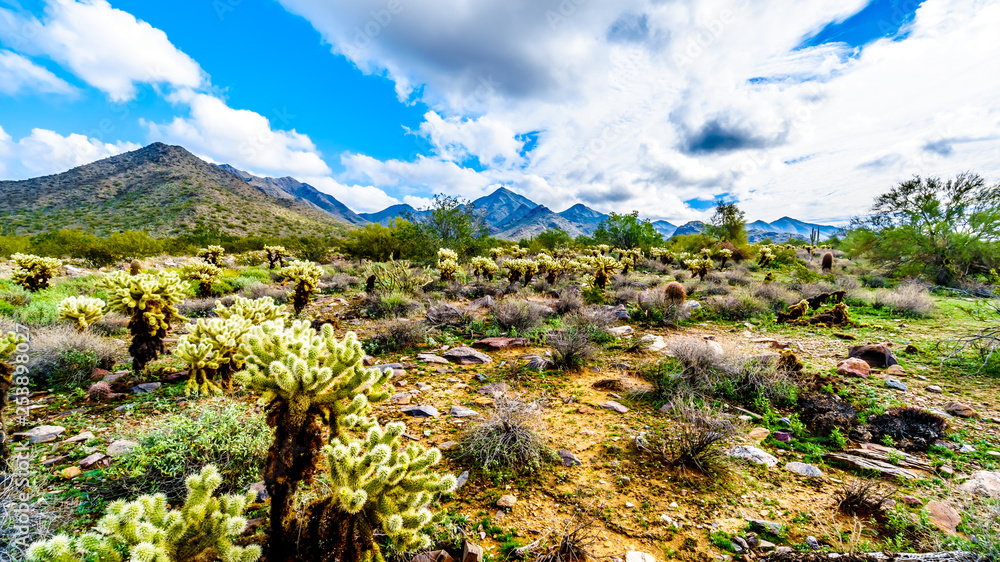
166 190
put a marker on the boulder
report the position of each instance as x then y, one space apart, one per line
435 556
944 517
40 434
507 501
877 355
621 330
983 483
472 552
754 455
804 469
93 459
431 358
462 412
501 343
259 488
960 409
421 411
121 447
612 405
896 385
568 458
145 387
854 367
466 356
402 398
759 433
493 390
895 370
935 389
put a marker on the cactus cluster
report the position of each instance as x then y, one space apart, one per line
147 530
210 351
33 272
724 255
148 300
520 269
83 311
205 274
663 254
766 256
448 264
699 267
305 275
275 256
483 267
603 267
629 259
212 255
257 311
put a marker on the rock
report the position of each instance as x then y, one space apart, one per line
448 445
944 517
621 331
935 389
420 411
612 405
507 501
911 501
967 449
759 433
431 358
121 447
401 398
760 525
540 363
754 455
99 374
568 458
654 343
716 348
462 479
462 412
472 552
804 469
877 355
92 459
960 409
54 460
466 356
983 483
40 434
783 436
765 546
483 302
501 343
260 489
435 556
70 472
110 379
493 390
812 542
145 387
896 371
896 385
636 556
854 368
483 401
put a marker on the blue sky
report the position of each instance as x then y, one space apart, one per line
806 110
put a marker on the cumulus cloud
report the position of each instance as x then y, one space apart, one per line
19 74
107 48
46 152
359 198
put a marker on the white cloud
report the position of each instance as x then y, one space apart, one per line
109 49
359 198
17 74
486 139
240 137
46 152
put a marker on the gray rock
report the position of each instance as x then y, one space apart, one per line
759 525
507 500
483 302
896 385
812 542
401 398
462 412
804 469
983 483
79 438
54 460
967 449
260 489
540 363
421 411
41 434
493 390
754 455
145 387
612 405
462 479
466 356
621 330
92 459
568 458
935 389
121 447
431 358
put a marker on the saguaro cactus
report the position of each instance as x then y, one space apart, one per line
148 299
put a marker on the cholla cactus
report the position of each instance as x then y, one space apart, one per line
448 264
766 256
309 379
604 267
257 311
699 267
148 299
629 259
204 274
275 256
147 531
210 352
495 253
33 272
603 249
306 276
550 266
212 255
664 255
83 311
518 252
483 267
724 255
8 346
518 268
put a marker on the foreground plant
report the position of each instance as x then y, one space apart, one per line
210 351
257 311
8 345
148 300
205 274
33 272
83 311
212 255
146 530
305 275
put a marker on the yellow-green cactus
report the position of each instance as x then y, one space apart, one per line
204 274
305 275
448 264
483 267
212 255
663 254
699 267
33 272
257 311
210 353
146 530
148 300
603 268
275 256
83 311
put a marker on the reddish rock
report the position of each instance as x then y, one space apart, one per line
501 343
100 374
466 356
855 368
959 409
877 355
944 517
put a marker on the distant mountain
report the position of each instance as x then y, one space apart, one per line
585 218
665 228
496 207
512 218
803 229
293 189
160 189
537 221
692 227
385 216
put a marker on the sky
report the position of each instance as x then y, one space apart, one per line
806 109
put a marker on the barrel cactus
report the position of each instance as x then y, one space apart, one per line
83 311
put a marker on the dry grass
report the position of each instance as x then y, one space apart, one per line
571 348
508 439
258 290
396 335
61 356
447 315
863 497
569 301
24 522
518 314
910 300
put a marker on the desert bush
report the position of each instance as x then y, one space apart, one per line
27 513
82 311
873 281
692 446
341 282
33 272
393 276
571 348
517 314
911 300
625 295
863 497
200 307
393 304
569 301
508 439
577 542
63 357
260 290
655 307
775 296
112 324
714 289
741 304
395 335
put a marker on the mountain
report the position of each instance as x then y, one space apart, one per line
692 227
501 204
515 216
538 220
665 228
583 217
160 189
293 189
385 216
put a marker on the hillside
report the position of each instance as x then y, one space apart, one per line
161 189
537 221
385 216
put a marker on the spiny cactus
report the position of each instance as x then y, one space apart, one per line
629 259
483 267
519 268
145 530
724 255
210 351
699 267
205 274
305 275
495 253
148 300
212 255
766 256
827 263
275 256
663 254
135 268
675 293
99 392
448 264
257 311
603 268
33 272
309 380
8 346
83 311
603 249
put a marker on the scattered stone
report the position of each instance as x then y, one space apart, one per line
92 459
507 501
636 556
435 556
539 363
877 355
935 389
54 460
653 342
466 356
423 386
431 358
983 483
759 525
99 374
41 434
759 433
484 302
501 343
121 447
493 390
960 409
804 469
402 398
70 472
483 401
612 405
766 546
944 517
145 388
967 449
896 371
754 455
812 542
462 412
568 458
448 445
420 411
854 368
911 501
621 331
896 385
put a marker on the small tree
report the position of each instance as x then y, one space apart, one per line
33 272
306 276
626 231
729 223
83 311
148 300
451 223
